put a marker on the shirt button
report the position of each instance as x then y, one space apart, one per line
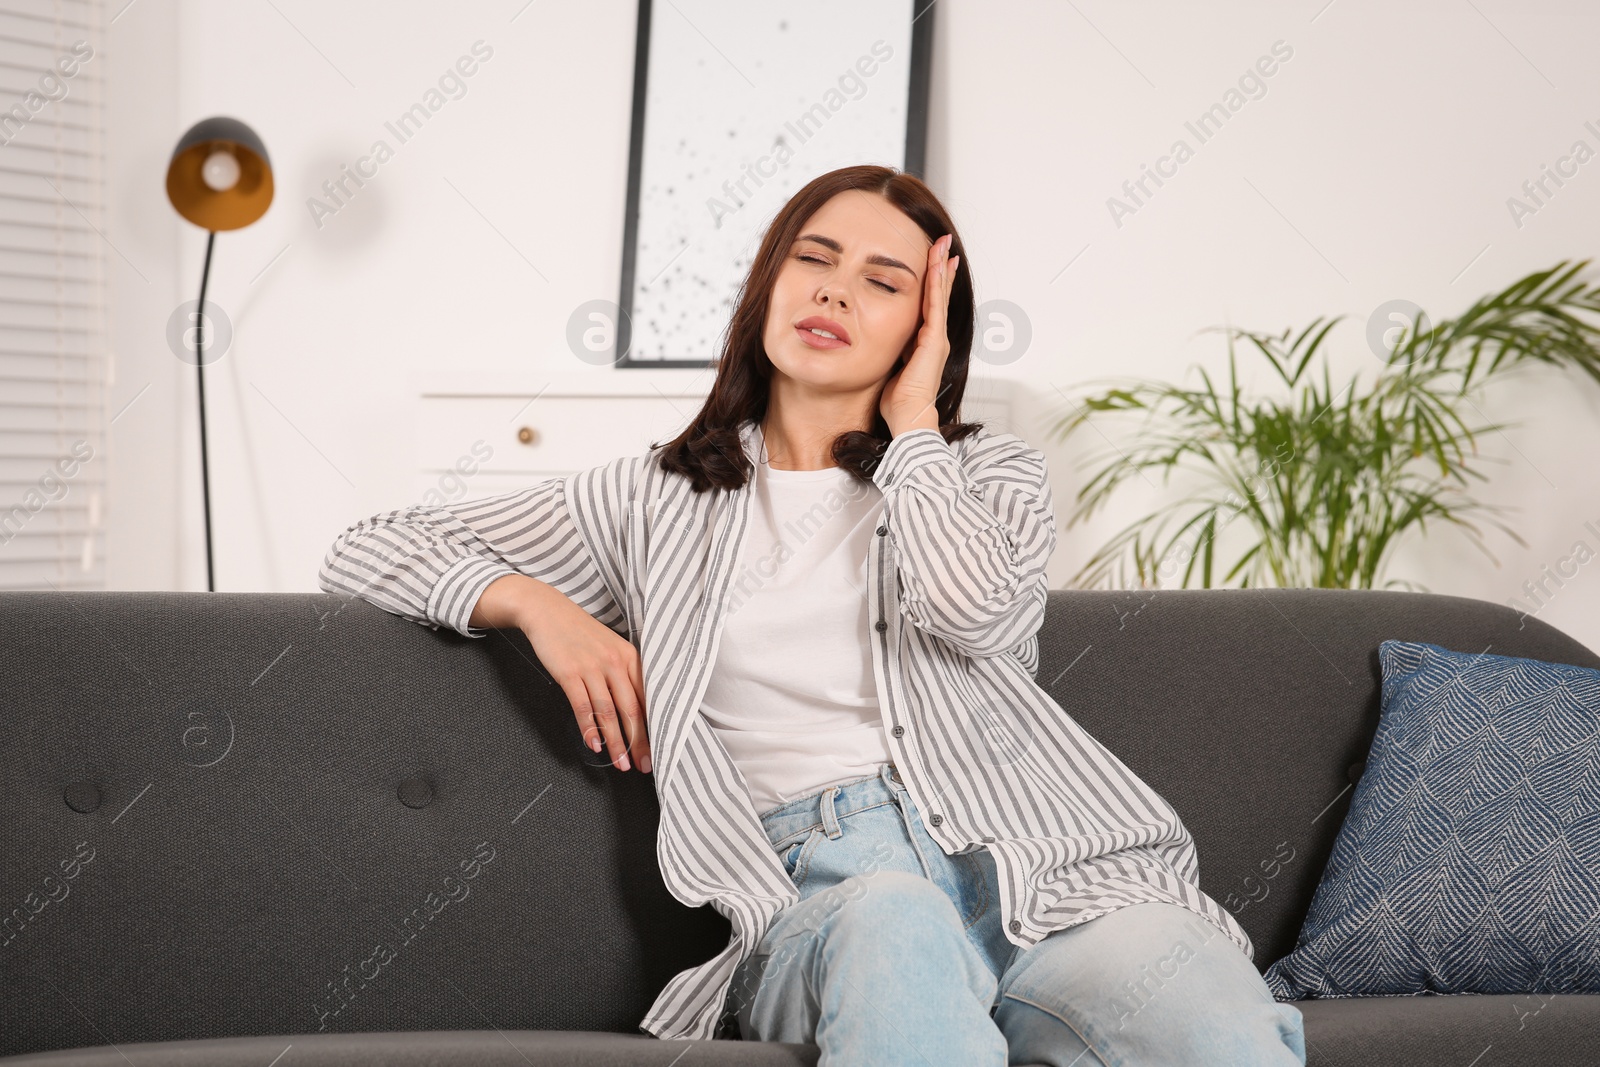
899 731
936 819
882 530
1016 926
880 626
887 478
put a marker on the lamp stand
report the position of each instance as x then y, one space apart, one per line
200 344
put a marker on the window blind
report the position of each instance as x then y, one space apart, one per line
54 353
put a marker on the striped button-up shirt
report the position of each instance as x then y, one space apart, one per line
956 590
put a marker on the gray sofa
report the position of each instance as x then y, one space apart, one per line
239 824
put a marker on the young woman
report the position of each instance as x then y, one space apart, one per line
829 588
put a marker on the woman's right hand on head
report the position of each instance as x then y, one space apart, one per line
596 667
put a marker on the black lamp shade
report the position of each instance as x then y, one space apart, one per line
224 209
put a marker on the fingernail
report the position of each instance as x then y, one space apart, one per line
644 764
623 762
595 744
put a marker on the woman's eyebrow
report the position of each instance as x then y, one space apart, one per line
876 258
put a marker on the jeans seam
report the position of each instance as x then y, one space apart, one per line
1064 1022
840 816
802 863
911 835
975 869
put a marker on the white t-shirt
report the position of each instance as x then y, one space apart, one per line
791 694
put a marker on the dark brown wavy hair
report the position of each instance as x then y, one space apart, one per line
709 450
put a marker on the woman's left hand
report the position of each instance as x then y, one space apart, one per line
908 398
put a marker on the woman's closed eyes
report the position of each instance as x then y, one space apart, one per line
809 258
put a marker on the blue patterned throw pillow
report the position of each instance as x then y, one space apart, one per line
1470 859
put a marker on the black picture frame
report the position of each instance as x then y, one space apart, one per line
922 24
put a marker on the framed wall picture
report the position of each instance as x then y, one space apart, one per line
735 107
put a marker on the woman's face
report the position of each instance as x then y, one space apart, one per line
859 262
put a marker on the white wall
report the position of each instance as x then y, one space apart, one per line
149 394
1376 166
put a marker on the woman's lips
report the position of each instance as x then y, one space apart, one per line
816 340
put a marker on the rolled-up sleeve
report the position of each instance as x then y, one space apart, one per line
431 564
971 539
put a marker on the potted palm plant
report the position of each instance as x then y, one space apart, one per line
1325 482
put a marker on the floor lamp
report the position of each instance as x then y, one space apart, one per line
219 179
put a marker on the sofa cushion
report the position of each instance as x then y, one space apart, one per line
424 1048
1470 859
1552 1031
1456 1031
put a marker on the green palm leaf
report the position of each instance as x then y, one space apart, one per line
1321 486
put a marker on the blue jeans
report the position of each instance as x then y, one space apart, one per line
895 954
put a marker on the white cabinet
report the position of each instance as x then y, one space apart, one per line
492 436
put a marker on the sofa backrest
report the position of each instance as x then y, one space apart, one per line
1252 710
282 813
